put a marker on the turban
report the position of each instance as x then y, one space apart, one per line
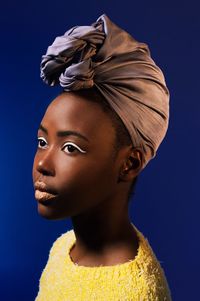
105 56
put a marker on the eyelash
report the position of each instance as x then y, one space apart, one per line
66 144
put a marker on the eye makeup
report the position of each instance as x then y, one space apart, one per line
66 144
71 143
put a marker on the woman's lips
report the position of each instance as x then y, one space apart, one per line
41 186
43 195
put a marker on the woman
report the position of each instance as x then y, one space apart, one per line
93 141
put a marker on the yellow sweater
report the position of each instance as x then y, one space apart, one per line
140 279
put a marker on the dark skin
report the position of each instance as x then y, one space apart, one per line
91 184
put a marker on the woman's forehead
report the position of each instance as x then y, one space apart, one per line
72 103
69 111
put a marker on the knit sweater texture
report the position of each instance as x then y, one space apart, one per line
140 279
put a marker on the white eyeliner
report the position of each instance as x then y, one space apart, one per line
71 143
41 138
68 143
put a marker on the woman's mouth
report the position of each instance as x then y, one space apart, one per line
43 195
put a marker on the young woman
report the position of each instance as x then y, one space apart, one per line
93 141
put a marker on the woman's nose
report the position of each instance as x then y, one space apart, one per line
45 164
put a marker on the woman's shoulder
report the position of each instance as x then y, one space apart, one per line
151 269
62 241
146 256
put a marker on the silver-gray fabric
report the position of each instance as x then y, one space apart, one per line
121 68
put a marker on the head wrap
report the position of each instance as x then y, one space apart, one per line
121 68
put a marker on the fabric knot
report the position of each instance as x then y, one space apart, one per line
68 61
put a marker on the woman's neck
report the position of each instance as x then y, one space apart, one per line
104 236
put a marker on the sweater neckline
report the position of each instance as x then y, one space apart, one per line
121 266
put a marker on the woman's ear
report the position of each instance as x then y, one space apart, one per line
132 165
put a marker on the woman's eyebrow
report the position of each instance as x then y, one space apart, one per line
64 133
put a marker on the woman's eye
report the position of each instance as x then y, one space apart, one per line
41 143
71 147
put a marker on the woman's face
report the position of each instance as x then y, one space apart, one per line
74 159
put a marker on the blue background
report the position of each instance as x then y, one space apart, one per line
166 205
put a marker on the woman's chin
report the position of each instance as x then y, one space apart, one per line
49 213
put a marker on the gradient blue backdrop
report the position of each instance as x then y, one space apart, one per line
166 205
